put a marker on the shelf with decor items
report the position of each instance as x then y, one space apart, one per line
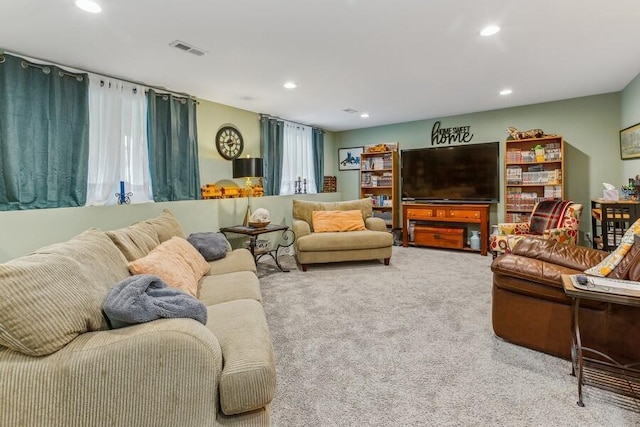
379 181
534 171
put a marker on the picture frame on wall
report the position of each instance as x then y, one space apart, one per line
630 142
349 158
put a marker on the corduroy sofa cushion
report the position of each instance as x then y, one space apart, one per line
248 379
135 241
166 225
50 297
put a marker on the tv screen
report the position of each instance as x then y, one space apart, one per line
460 173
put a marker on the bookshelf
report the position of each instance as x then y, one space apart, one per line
379 181
534 171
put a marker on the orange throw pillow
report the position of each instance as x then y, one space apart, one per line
176 262
326 221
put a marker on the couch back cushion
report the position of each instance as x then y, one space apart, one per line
136 240
50 297
303 209
166 225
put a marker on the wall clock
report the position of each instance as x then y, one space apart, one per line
229 142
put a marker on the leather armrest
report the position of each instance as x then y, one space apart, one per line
566 255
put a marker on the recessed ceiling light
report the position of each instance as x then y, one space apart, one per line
290 85
489 30
364 115
506 92
89 6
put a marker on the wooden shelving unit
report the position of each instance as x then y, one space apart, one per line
610 219
532 176
379 181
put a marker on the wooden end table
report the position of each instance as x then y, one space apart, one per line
286 239
622 379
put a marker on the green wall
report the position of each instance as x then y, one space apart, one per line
630 117
589 126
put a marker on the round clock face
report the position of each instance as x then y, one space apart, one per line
229 142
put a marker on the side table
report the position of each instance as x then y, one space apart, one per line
286 239
613 376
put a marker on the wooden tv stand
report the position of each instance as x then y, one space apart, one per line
449 218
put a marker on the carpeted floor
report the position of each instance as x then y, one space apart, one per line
411 344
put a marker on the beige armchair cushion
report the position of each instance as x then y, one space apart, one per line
50 297
303 209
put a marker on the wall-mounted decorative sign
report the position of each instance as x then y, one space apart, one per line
630 142
458 134
349 158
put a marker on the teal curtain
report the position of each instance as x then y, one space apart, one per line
318 157
173 147
271 141
44 135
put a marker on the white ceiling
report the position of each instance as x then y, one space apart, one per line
399 60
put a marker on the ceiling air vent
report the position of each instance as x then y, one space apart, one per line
187 48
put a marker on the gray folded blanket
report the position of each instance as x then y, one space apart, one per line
144 297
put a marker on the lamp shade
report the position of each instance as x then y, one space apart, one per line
247 167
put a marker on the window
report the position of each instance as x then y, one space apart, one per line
297 159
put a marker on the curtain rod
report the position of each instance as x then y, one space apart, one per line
269 116
33 58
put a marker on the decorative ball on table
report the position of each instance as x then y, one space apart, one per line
259 218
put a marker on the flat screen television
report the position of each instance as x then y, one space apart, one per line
461 173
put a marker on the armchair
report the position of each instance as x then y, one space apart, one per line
550 220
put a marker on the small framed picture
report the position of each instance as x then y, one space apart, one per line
630 142
349 158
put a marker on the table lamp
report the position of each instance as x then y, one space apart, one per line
248 167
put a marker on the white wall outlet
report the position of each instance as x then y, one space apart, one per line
587 237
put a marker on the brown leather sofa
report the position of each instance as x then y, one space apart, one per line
530 308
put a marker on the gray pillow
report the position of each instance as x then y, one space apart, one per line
211 245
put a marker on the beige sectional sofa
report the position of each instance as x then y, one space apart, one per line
62 365
311 247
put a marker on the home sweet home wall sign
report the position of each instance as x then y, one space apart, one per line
440 136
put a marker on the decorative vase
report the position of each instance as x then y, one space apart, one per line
474 240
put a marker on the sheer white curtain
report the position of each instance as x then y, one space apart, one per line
297 158
118 148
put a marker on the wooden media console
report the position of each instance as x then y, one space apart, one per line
444 225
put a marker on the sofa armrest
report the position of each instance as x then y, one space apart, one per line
563 254
375 224
164 372
301 228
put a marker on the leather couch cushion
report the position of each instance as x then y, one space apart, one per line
248 379
50 297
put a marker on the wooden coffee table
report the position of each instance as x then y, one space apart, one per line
286 239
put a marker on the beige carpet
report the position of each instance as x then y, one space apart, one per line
411 344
